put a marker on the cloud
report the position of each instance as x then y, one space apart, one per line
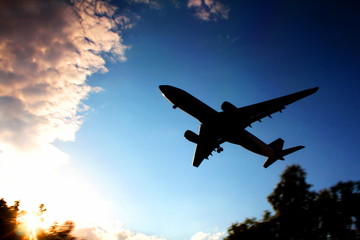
118 233
47 51
209 10
122 234
208 236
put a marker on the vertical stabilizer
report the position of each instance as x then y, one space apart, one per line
277 146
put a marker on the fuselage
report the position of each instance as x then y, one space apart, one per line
188 103
222 127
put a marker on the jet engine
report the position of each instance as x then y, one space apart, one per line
228 107
191 136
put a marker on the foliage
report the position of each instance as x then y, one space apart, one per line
58 232
8 220
330 214
12 227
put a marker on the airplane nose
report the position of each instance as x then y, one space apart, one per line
163 88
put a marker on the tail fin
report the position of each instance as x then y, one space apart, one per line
277 146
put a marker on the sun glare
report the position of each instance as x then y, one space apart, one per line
31 224
66 194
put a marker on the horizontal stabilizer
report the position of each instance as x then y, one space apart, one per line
269 161
291 150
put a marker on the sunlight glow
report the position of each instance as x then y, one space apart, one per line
32 223
52 181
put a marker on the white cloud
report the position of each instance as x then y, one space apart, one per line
194 3
121 234
209 10
207 236
116 232
47 51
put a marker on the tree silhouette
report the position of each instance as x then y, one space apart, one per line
291 200
330 214
58 232
11 228
338 212
8 220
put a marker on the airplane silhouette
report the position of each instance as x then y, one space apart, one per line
229 125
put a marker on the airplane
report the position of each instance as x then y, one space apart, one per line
229 124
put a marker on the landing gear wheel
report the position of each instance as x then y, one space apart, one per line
219 149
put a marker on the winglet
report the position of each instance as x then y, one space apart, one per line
314 90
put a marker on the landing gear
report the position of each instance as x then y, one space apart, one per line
219 149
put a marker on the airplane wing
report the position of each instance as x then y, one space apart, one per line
206 145
256 112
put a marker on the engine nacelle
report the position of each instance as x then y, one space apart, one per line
191 136
228 107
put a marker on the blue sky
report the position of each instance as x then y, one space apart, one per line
130 146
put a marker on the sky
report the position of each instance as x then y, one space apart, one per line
85 130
